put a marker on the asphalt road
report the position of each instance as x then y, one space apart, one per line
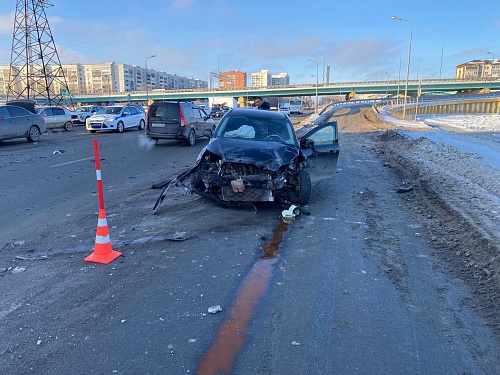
350 288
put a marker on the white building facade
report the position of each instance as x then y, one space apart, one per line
107 78
264 79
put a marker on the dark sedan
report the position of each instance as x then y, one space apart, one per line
256 156
216 112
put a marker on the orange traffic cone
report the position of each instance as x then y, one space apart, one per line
103 253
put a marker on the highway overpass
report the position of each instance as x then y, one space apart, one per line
430 86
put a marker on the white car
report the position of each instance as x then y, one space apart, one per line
116 118
285 109
81 114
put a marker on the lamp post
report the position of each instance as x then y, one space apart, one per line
146 66
491 66
441 66
395 18
316 106
399 71
387 85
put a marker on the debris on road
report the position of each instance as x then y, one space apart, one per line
214 309
404 189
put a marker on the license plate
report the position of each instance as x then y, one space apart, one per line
95 125
155 125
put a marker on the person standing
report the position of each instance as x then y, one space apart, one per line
262 104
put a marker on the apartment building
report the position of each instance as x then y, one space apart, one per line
264 78
261 79
232 79
280 79
478 69
107 78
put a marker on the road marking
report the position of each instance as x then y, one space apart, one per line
71 162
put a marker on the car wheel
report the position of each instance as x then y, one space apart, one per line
120 127
34 134
141 125
91 131
303 189
68 126
191 138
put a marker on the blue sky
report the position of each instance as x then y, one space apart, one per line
193 37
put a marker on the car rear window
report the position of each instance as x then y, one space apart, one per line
164 112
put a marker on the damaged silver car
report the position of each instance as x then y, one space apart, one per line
256 156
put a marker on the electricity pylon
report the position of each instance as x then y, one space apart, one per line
35 69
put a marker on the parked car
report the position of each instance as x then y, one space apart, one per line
216 112
285 109
18 122
116 118
56 117
256 156
178 120
81 114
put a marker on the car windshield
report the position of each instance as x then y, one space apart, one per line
257 129
110 111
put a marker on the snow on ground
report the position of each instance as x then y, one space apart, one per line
469 122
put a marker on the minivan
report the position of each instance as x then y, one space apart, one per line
178 120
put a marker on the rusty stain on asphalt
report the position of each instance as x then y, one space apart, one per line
231 336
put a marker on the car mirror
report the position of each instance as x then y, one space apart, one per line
307 143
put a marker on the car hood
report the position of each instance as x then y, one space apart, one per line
271 155
104 117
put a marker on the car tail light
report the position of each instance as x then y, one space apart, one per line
181 116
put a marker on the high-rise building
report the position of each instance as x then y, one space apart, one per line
232 79
261 79
281 79
264 78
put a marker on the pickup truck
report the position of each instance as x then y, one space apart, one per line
80 114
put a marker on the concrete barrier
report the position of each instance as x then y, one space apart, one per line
489 105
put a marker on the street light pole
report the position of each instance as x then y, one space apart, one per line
387 85
399 71
441 66
395 18
317 70
491 66
146 66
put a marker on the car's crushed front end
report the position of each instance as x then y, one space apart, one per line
230 171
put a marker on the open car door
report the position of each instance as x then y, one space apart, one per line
321 147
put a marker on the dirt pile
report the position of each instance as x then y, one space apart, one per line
453 194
